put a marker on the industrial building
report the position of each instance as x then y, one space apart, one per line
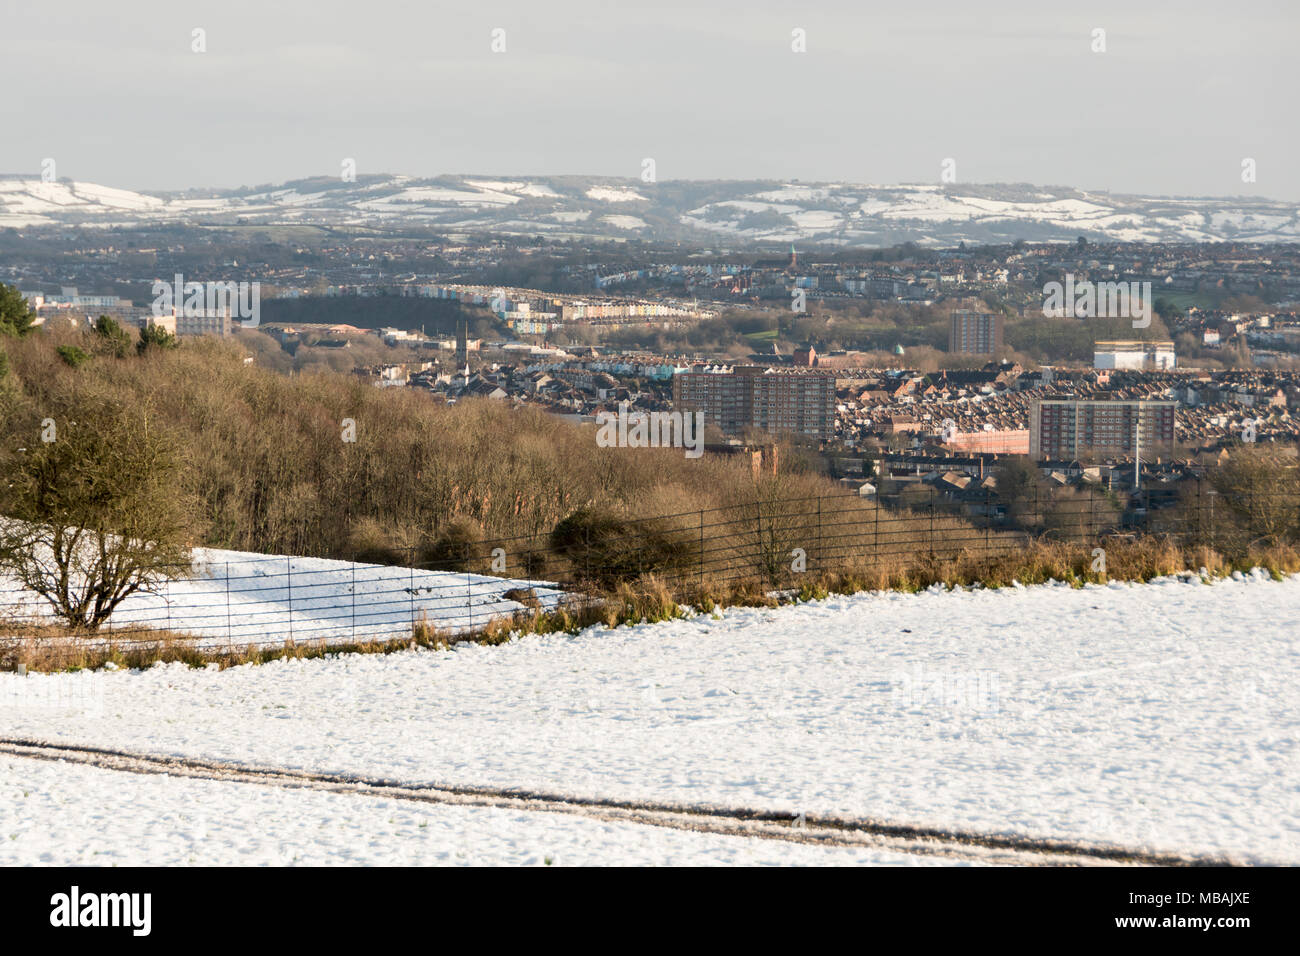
1133 355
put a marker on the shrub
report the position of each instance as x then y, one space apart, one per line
1261 495
369 543
111 338
72 355
605 548
155 337
459 547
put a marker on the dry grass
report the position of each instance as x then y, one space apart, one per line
51 647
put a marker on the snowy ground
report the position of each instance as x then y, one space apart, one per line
1163 716
239 598
55 815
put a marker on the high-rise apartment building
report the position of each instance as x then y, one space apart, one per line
975 333
1066 429
734 398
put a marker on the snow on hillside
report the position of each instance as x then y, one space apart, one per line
841 213
621 194
423 195
239 598
533 190
28 202
1162 715
625 222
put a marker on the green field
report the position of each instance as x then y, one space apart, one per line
1184 300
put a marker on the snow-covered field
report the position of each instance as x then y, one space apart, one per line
239 598
1163 716
56 815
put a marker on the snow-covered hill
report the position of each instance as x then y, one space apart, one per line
711 212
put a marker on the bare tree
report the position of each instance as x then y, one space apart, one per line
1259 487
775 525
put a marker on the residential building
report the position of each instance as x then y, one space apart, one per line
205 322
975 333
1081 429
735 398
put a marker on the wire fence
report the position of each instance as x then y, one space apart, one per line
251 600
229 598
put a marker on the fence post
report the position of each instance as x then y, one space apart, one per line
701 550
1213 538
640 559
931 524
229 633
1204 521
1092 515
821 566
988 524
875 532
288 575
411 564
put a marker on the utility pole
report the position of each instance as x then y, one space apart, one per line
1137 449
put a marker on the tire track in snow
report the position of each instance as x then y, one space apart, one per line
727 821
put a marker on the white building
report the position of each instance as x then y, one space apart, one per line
1133 355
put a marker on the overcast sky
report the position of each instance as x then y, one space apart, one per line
885 92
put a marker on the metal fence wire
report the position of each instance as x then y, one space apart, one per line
238 599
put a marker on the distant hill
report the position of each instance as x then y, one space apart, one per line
715 213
